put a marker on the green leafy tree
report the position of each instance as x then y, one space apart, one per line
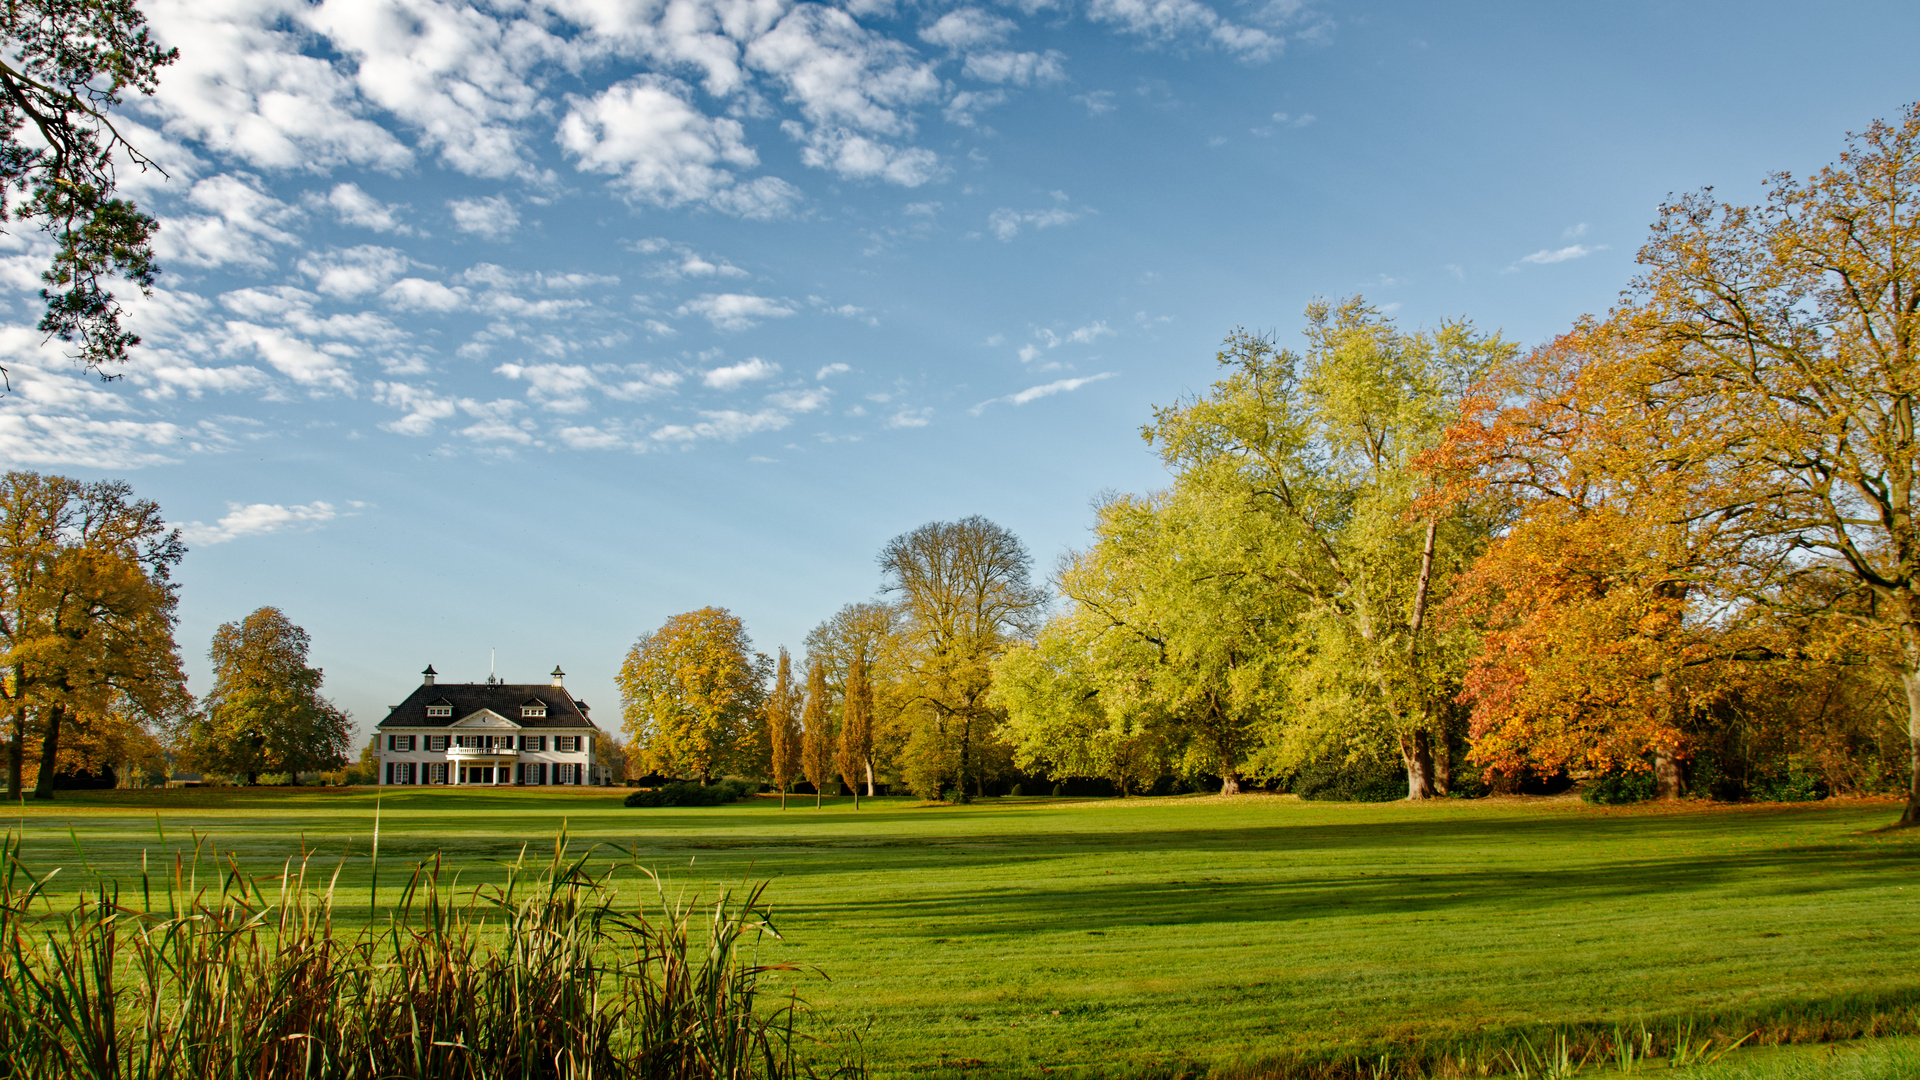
1173 652
66 65
1327 448
265 712
693 694
966 596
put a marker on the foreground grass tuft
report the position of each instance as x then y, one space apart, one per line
209 973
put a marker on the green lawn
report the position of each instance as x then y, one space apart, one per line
1144 935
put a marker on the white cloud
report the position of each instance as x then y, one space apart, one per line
831 369
242 87
735 311
258 519
292 356
968 28
561 388
419 294
453 72
492 217
241 227
662 150
801 401
1035 393
858 157
853 86
1018 68
1098 102
355 207
356 271
1006 223
911 418
727 425
1547 257
733 376
1163 20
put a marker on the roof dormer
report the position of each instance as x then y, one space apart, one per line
440 707
533 709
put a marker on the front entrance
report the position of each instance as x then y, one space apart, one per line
477 774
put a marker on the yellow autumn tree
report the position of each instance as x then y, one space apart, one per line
692 697
783 727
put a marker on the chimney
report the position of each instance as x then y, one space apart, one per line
429 674
559 677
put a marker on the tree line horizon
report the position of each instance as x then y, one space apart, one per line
1673 549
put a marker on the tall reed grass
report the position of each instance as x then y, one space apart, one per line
208 973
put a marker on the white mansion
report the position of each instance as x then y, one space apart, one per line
489 733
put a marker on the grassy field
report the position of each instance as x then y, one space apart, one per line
1150 936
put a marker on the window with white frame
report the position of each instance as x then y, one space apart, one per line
400 743
566 744
436 742
532 711
439 710
533 742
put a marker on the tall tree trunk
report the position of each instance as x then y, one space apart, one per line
1416 748
966 750
1416 753
783 798
1442 766
869 778
1666 776
17 752
1911 680
1230 783
49 752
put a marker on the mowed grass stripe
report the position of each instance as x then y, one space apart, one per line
1113 936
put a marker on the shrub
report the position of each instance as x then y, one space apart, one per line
1793 786
1620 785
1018 789
1332 778
1059 789
687 793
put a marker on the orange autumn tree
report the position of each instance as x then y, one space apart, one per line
1605 616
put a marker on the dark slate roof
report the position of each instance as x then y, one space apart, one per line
503 698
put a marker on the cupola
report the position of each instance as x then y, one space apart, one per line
559 677
428 675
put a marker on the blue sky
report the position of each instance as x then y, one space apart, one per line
525 325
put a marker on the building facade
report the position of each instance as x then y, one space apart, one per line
489 734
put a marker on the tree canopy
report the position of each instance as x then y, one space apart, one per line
692 696
265 713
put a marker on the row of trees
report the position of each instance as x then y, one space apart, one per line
91 677
1678 541
895 689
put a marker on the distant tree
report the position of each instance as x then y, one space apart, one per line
611 755
265 712
855 755
874 628
816 732
783 727
66 64
86 615
966 595
692 695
